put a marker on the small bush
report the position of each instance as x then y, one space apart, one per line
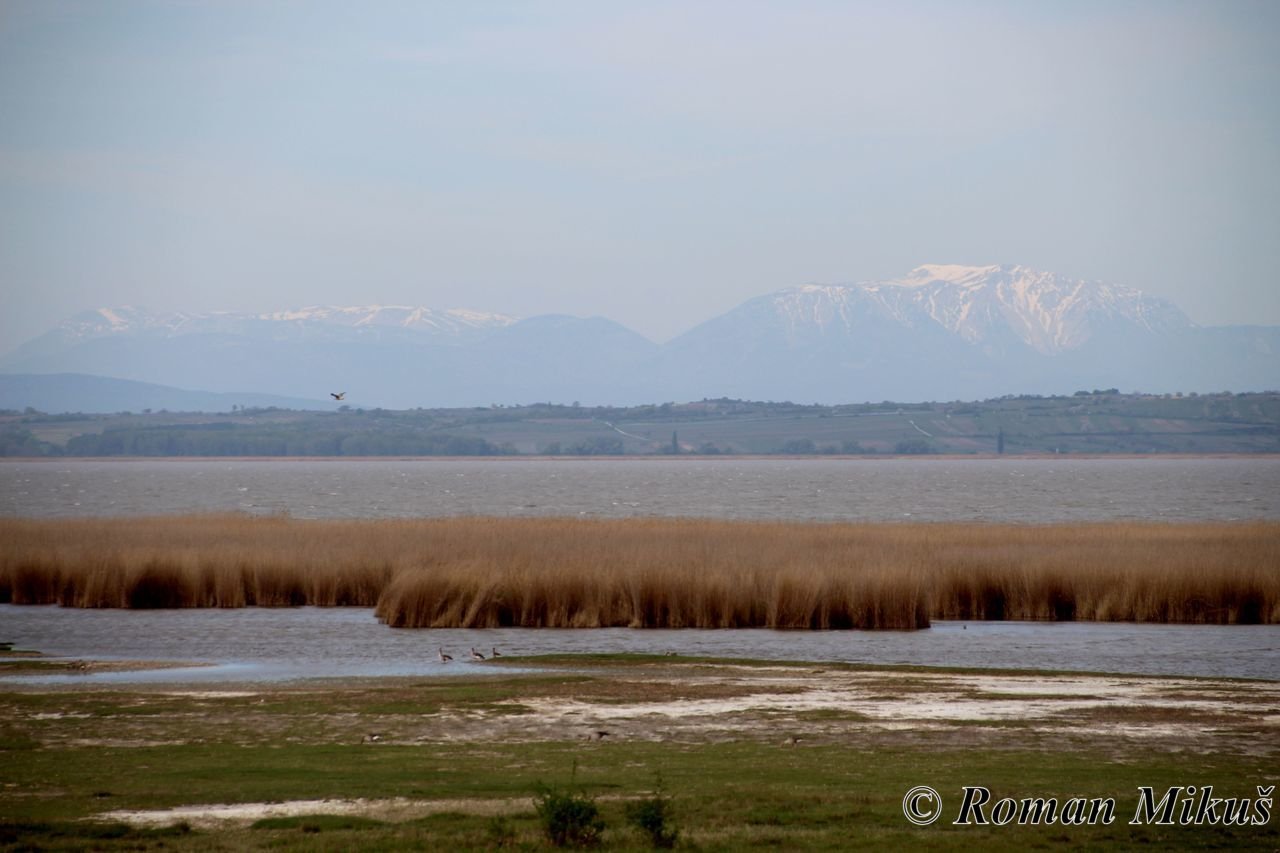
501 832
652 816
568 819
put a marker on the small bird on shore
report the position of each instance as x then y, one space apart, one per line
443 657
496 653
475 655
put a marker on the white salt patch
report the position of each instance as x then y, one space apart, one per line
398 808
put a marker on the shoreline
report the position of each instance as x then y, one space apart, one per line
254 645
682 457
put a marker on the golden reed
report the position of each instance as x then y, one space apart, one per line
653 572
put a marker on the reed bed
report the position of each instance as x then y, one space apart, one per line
653 573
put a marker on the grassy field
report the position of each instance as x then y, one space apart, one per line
749 756
550 572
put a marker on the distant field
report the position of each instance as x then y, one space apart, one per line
1093 423
554 572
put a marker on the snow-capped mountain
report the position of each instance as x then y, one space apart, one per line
1047 312
941 332
124 320
396 356
452 321
960 332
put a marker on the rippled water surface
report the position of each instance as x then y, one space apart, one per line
1011 490
257 644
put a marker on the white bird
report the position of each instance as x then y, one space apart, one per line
496 653
475 655
443 657
338 396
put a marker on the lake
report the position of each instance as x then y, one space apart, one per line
308 642
991 490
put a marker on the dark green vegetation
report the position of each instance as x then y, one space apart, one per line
467 763
653 816
569 818
1087 422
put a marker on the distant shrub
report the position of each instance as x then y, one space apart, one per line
799 446
501 832
652 816
568 819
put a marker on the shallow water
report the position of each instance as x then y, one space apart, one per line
996 490
255 644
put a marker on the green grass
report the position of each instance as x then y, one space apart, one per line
726 796
740 791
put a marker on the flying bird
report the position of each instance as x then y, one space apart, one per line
338 396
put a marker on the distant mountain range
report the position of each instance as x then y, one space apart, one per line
76 392
943 332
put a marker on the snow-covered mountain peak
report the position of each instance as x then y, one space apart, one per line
113 317
402 316
1046 311
953 273
117 320
123 320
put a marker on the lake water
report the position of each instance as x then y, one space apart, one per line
997 490
255 644
276 644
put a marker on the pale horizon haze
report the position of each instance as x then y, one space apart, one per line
655 163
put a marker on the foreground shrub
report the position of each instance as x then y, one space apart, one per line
652 816
568 819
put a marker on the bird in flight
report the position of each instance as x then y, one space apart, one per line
338 396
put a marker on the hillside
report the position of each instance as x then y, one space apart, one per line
1096 422
64 392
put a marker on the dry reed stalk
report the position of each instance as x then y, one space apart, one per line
556 572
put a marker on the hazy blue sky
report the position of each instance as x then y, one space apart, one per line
653 162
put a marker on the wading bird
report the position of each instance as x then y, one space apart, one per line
443 657
496 653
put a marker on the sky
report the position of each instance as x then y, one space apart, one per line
653 162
